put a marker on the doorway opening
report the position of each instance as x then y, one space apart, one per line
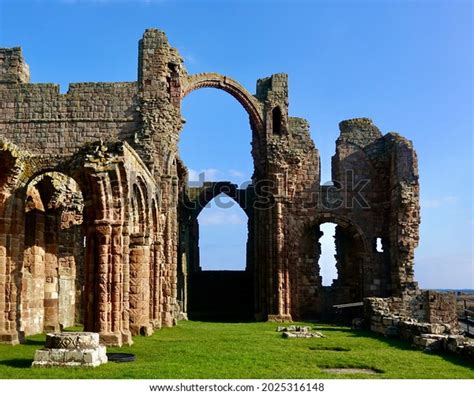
53 263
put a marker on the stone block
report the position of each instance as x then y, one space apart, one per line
91 356
71 349
42 355
74 356
57 355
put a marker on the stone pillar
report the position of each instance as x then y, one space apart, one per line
170 253
155 262
281 307
70 247
8 330
99 283
51 273
120 327
126 334
262 267
10 241
33 278
140 285
3 278
174 250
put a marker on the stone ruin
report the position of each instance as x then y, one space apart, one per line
98 225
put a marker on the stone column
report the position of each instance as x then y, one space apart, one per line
8 331
126 334
9 273
281 307
174 250
156 297
32 276
140 285
51 273
169 206
98 284
3 278
120 328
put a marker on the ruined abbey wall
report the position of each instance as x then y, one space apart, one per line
121 261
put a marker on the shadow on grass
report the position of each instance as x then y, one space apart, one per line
32 342
332 329
17 363
324 348
460 360
220 319
392 342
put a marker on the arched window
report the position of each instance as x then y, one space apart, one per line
276 120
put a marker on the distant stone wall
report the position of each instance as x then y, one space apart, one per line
37 118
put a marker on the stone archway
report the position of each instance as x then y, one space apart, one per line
251 105
52 273
214 80
224 295
195 199
309 296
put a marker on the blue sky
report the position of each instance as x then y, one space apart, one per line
405 64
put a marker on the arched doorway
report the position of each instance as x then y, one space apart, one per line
222 235
222 293
52 276
221 286
349 252
316 296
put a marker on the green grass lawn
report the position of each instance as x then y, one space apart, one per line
249 350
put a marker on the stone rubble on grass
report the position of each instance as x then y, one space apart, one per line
293 328
296 331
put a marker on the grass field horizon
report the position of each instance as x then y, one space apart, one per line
204 350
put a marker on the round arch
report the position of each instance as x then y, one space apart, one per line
216 189
140 208
214 80
344 222
52 254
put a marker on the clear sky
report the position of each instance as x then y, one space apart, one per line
405 64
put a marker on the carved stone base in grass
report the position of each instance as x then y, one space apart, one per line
71 349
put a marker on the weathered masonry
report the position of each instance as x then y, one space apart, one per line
98 225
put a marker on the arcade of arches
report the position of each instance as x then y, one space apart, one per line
99 227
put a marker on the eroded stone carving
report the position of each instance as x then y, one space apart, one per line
71 349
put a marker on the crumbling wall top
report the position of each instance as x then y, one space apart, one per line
13 69
359 131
